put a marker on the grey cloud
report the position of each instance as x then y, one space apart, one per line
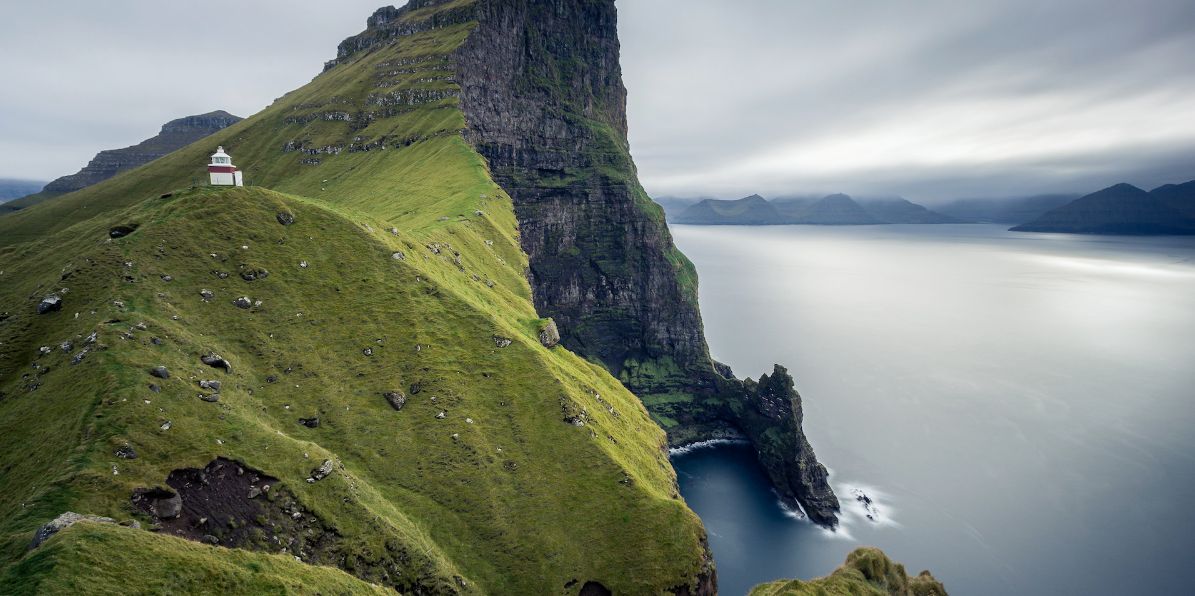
931 99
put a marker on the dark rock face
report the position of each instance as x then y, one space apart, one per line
543 97
175 135
542 93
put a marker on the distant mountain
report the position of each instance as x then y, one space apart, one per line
1122 209
174 135
1010 210
901 211
1178 196
12 188
748 211
836 210
832 210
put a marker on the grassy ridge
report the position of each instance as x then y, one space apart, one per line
411 253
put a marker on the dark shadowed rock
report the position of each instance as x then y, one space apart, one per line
210 398
210 385
396 399
310 422
321 472
549 335
244 303
125 452
158 502
215 361
160 372
121 231
249 273
49 304
286 218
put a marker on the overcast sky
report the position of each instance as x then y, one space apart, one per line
930 99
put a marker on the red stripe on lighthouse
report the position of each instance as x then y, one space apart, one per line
221 169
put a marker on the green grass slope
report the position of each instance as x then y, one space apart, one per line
401 268
93 558
867 572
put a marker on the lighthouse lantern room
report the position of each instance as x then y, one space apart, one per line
222 172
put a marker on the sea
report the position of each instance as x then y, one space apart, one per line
1018 409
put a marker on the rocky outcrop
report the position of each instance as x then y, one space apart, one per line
544 102
867 572
174 135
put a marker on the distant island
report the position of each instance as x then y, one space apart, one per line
831 210
1123 209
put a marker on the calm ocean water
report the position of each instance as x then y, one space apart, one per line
1021 407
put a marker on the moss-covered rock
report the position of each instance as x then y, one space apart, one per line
867 572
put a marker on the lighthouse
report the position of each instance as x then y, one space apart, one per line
222 172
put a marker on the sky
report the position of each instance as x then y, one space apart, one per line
927 99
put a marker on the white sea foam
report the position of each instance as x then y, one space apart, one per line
691 447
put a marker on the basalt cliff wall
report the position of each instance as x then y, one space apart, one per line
542 93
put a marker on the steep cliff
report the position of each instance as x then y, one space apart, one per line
543 98
174 135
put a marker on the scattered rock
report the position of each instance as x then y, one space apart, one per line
253 274
92 338
125 452
215 361
44 350
398 256
158 502
122 231
286 218
210 398
244 303
210 385
367 351
51 303
549 335
207 295
167 278
502 342
66 346
154 387
321 472
165 425
160 372
303 264
396 399
310 422
442 415
63 522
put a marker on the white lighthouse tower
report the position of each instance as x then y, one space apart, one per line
222 172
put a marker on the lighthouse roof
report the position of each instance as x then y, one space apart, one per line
220 152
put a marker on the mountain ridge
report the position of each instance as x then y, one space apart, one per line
173 135
835 209
1123 209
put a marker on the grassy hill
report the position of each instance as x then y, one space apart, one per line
402 273
333 380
